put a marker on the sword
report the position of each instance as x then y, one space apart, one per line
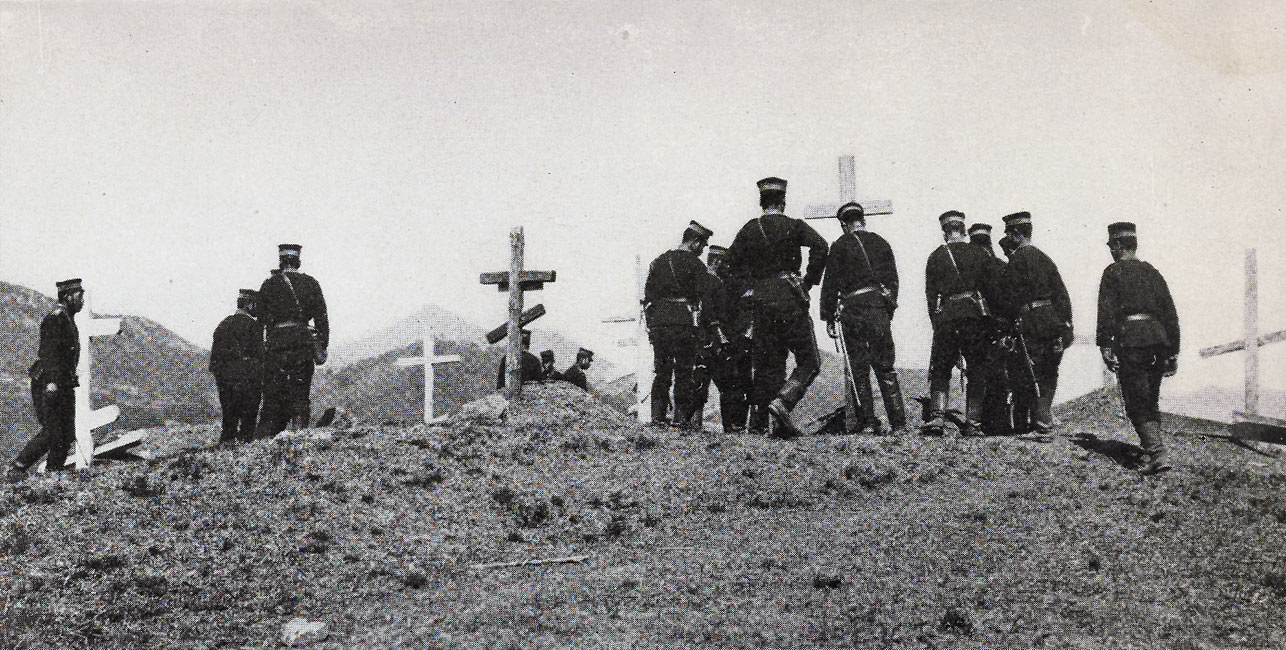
1031 367
841 343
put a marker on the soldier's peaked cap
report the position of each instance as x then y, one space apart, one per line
980 229
67 286
700 230
716 251
589 354
1121 229
850 211
771 184
951 216
1017 218
289 249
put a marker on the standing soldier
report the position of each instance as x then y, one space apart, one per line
1138 335
1035 300
995 400
676 282
1014 366
730 367
860 291
712 337
298 332
576 372
53 384
958 284
766 252
236 361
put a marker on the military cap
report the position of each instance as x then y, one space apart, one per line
701 231
547 355
951 216
1121 229
248 293
1017 218
980 229
771 184
289 249
68 286
716 251
850 211
585 354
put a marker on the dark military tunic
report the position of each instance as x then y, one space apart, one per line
576 376
672 294
532 369
1035 299
766 252
288 359
1138 321
730 366
860 289
236 361
56 361
960 288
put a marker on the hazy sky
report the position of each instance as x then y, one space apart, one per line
161 150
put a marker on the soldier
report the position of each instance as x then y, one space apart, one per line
1014 366
547 370
766 253
712 337
53 384
730 365
959 286
294 316
1035 300
1138 336
532 370
576 372
236 361
996 418
676 283
860 291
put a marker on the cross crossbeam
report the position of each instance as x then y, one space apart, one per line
428 359
499 333
516 281
848 192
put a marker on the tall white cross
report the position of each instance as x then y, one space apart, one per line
87 418
643 351
848 192
433 359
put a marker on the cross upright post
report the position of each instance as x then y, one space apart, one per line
643 371
847 175
429 358
516 281
87 417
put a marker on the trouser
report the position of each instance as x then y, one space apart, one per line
996 412
970 338
869 343
1139 373
1018 383
674 350
287 382
239 402
1046 355
702 373
777 332
57 416
732 375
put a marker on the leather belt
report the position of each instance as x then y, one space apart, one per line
1140 317
964 296
290 323
1037 304
859 292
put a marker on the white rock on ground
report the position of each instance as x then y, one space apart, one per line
489 408
299 632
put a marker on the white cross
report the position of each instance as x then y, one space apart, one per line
433 360
848 192
87 418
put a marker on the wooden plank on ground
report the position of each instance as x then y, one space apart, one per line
1249 426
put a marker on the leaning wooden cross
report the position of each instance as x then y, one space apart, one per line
428 358
516 281
1249 424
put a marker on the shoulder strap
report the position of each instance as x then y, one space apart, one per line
759 221
953 260
291 286
870 267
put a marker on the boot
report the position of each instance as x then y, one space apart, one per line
1153 449
936 415
891 391
1044 417
785 429
15 474
659 410
973 417
759 419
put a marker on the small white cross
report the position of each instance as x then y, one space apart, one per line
428 370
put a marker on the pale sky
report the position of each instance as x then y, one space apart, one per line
161 150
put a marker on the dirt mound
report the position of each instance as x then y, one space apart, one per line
562 405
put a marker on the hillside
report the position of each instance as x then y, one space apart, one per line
151 373
447 326
691 541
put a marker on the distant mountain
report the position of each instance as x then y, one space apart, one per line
151 373
447 326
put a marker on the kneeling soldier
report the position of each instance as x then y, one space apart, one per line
576 373
1138 335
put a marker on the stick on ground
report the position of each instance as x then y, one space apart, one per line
517 563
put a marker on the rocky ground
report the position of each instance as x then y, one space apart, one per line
688 540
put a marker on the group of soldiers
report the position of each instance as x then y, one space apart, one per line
543 370
265 352
1005 324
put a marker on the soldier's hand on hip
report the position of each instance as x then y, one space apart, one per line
1109 359
830 329
1171 367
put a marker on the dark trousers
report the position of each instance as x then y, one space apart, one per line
240 404
869 343
779 331
1140 374
702 373
970 338
288 377
674 351
732 376
57 416
1045 355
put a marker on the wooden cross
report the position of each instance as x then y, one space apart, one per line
848 192
88 418
1250 423
516 281
428 358
643 351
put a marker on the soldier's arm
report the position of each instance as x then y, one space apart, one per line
216 347
1169 315
320 320
652 285
817 249
54 339
831 284
1062 301
1107 316
930 287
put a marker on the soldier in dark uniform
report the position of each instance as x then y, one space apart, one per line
53 384
676 283
730 366
1138 335
547 370
576 372
860 291
712 337
293 313
1035 301
532 370
1014 367
959 287
236 361
996 417
766 253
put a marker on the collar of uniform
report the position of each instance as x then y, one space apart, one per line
770 214
1022 245
244 312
